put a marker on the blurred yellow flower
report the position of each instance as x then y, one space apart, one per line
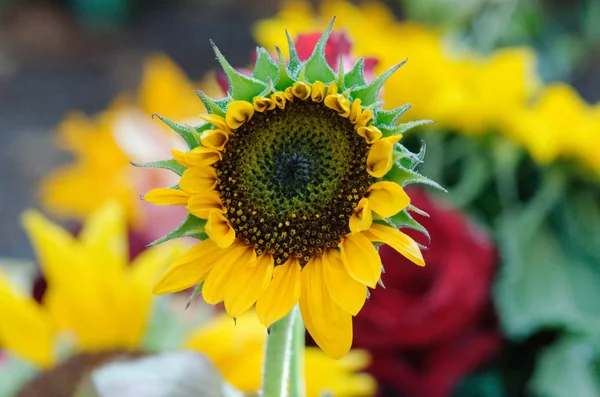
559 125
94 298
100 304
456 88
103 146
236 349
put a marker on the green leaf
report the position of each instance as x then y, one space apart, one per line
405 219
294 63
194 294
356 76
540 285
184 131
316 67
368 93
340 77
241 87
211 105
390 117
265 67
389 130
568 368
170 164
192 226
406 177
284 79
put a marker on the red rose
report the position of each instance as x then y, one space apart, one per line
426 329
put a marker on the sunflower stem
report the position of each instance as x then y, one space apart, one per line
278 357
297 385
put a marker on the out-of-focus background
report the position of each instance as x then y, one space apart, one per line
509 304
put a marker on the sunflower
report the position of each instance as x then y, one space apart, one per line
292 182
98 308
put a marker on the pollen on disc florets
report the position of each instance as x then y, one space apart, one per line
290 179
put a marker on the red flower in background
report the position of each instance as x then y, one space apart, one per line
430 326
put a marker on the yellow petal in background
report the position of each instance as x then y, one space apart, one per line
348 293
248 281
328 324
26 328
166 196
219 229
362 217
361 259
282 293
387 198
238 112
190 269
398 241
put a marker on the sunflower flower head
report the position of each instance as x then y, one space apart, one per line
292 182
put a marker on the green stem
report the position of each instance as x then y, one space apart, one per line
276 369
297 386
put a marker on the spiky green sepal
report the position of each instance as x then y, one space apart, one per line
271 75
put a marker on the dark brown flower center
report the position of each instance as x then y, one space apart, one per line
290 179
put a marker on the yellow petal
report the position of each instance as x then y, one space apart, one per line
379 160
179 156
332 89
198 180
261 104
219 229
328 324
288 94
362 217
201 205
301 90
238 112
361 259
371 133
387 198
248 281
355 111
202 156
279 99
148 265
26 328
221 275
397 240
214 139
104 235
339 103
317 92
190 269
166 196
348 293
363 119
282 293
217 121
